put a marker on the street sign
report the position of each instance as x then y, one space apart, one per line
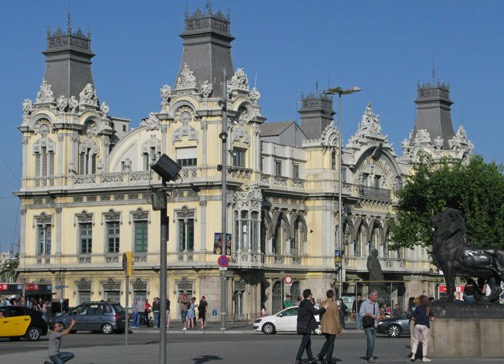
288 280
223 261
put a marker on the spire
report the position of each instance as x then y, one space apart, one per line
207 49
68 61
434 112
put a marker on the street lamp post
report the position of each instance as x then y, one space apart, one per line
223 136
340 91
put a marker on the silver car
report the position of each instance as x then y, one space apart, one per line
107 317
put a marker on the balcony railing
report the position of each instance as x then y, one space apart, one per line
374 193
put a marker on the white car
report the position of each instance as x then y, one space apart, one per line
283 321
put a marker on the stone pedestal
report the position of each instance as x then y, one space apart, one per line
466 330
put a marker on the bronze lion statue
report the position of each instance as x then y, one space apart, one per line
455 256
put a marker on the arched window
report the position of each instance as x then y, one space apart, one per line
359 242
278 237
297 238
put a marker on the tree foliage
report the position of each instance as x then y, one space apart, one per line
8 270
475 189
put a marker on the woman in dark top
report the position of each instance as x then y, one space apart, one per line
422 316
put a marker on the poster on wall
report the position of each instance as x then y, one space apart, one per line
218 244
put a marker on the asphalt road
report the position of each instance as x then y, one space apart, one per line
206 348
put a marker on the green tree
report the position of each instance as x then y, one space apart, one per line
476 189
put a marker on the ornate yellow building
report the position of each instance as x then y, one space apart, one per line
87 186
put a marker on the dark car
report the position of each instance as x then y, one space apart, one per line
394 326
17 322
107 317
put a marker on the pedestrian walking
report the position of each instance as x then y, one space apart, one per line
184 307
141 312
422 317
202 310
134 309
356 305
155 311
306 322
167 313
331 326
55 355
147 312
370 308
343 309
190 314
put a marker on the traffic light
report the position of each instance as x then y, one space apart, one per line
128 263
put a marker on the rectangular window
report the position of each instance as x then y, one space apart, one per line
87 162
278 167
141 236
186 234
113 237
238 157
254 232
150 156
44 238
295 171
187 157
44 162
377 180
86 238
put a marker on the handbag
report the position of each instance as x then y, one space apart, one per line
302 328
368 321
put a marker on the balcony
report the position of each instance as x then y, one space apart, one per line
373 193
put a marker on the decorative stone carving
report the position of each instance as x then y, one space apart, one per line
87 97
42 127
459 141
206 89
438 143
152 122
165 93
422 136
62 103
126 165
104 108
254 95
45 95
73 104
185 115
186 80
27 106
238 82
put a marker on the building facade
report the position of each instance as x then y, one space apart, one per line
87 188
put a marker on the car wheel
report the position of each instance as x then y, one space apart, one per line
107 328
318 330
268 328
394 331
33 333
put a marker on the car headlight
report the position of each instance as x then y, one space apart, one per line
379 323
257 321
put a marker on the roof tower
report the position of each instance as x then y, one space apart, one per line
68 61
207 48
434 112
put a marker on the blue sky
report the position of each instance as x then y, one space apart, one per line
286 48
